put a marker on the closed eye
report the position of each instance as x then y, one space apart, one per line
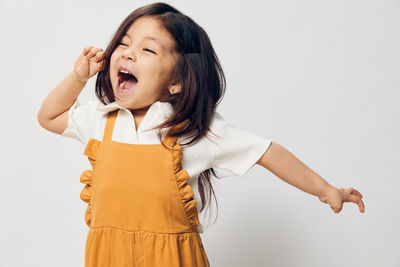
146 49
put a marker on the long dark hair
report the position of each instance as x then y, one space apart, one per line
198 68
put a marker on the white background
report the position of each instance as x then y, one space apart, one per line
321 78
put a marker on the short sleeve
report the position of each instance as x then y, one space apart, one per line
235 150
80 120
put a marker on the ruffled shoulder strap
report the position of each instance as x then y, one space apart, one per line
170 140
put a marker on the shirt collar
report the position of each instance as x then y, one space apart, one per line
163 108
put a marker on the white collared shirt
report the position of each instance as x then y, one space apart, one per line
236 150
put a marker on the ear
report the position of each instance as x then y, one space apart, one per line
175 88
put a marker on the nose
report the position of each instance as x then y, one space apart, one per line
128 54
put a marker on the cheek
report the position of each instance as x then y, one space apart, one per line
156 70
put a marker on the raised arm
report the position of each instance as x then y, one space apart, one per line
53 113
290 169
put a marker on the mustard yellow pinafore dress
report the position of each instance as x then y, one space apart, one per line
141 211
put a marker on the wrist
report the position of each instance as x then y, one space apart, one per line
326 189
76 79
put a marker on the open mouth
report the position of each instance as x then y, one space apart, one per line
126 81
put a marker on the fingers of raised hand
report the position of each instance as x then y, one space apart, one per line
93 52
87 49
99 56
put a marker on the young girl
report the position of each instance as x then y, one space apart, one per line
158 83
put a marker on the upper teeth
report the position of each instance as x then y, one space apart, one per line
125 71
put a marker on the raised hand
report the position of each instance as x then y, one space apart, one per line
88 63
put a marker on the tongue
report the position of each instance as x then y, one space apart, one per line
130 83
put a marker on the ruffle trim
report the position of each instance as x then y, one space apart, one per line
87 177
186 191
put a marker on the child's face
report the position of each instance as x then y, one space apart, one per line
153 70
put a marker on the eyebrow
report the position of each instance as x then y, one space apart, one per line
150 38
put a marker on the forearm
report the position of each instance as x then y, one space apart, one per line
60 98
290 169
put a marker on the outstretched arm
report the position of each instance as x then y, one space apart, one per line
290 169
